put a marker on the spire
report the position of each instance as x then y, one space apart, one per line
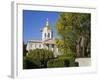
47 23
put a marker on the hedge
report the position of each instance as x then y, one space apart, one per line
62 61
55 63
29 63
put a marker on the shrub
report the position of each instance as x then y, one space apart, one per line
67 60
38 58
76 64
28 63
55 63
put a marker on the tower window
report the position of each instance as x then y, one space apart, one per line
45 34
48 35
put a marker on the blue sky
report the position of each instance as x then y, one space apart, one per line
34 21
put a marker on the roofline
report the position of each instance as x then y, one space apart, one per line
35 41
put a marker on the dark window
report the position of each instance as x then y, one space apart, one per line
45 34
48 35
40 46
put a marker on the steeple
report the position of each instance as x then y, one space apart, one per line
47 23
46 31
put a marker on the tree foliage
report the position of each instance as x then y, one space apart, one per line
74 32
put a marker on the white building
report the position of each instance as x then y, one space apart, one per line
47 41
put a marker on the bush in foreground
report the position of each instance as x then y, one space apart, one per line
37 58
62 61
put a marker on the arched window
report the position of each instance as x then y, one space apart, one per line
45 34
39 45
48 35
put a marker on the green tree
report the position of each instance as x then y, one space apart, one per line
74 32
